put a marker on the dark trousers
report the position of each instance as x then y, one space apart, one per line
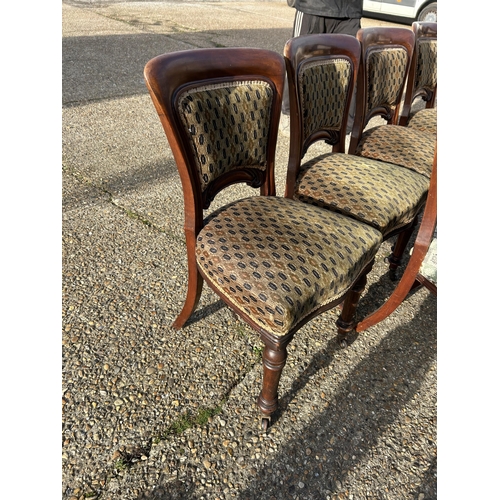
308 24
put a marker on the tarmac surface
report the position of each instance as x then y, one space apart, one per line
154 413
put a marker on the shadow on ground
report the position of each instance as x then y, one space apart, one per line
365 406
111 66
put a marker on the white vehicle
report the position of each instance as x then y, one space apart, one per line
404 11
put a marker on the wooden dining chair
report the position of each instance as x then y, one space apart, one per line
421 269
276 262
422 80
322 71
386 55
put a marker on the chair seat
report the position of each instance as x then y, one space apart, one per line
380 194
424 120
402 146
277 260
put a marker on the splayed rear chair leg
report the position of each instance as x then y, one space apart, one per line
195 286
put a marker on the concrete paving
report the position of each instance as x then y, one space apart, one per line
130 380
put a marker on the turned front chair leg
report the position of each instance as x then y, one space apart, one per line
396 256
345 323
273 360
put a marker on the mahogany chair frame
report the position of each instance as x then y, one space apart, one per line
424 32
374 39
167 76
411 277
311 48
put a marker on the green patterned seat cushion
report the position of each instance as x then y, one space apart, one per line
424 120
228 125
277 260
399 145
380 194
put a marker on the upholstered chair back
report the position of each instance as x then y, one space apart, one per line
426 74
386 73
422 81
323 89
227 126
386 54
322 71
220 114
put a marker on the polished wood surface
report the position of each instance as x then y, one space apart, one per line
411 276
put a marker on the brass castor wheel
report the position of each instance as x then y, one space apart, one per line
265 423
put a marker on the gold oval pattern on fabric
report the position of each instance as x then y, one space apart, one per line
323 94
228 125
297 257
426 75
424 120
402 146
376 193
386 72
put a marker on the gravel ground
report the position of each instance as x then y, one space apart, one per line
149 412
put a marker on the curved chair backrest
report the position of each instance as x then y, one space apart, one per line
422 78
322 70
220 111
386 54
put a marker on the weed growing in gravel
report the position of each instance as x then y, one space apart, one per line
120 464
187 420
257 350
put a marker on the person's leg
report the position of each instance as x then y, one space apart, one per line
297 23
343 26
303 24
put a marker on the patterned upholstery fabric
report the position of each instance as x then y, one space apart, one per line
402 146
424 119
278 260
228 124
426 74
377 193
385 73
323 94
